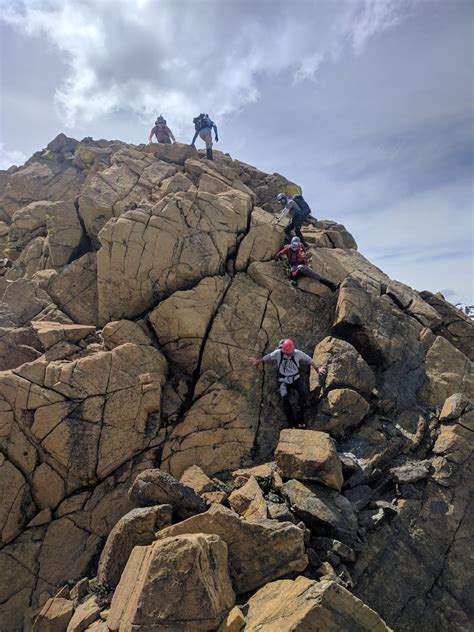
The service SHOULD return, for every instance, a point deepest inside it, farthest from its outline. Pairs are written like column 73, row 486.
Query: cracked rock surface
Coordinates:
column 139, row 281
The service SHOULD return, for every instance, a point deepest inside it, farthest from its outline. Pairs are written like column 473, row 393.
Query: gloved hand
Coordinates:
column 217, row 139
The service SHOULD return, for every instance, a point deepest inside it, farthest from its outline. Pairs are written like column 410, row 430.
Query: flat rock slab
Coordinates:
column 178, row 583
column 259, row 552
column 54, row 616
column 323, row 510
column 304, row 605
column 154, row 487
column 309, row 455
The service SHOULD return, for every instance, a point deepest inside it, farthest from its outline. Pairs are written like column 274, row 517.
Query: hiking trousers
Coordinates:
column 295, row 224
column 206, row 135
column 307, row 271
column 285, row 391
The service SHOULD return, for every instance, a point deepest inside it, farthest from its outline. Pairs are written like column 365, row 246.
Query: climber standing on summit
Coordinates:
column 203, row 127
column 162, row 132
column 289, row 359
column 298, row 259
column 300, row 211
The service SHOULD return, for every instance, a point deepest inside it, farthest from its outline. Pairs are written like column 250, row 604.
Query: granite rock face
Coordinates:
column 135, row 282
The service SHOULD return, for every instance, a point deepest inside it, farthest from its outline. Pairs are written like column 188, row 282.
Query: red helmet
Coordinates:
column 288, row 346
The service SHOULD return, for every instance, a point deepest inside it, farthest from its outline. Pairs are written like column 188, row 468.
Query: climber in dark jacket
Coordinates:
column 289, row 359
column 203, row 127
column 298, row 259
column 298, row 218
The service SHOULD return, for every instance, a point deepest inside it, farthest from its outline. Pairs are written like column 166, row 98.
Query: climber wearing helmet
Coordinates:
column 289, row 359
column 298, row 259
column 204, row 126
column 300, row 211
column 162, row 132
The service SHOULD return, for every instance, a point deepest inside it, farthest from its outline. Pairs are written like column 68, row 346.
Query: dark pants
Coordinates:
column 295, row 224
column 307, row 271
column 285, row 392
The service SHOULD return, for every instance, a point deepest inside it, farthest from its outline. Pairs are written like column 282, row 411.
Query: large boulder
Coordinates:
column 153, row 487
column 303, row 605
column 309, row 455
column 346, row 368
column 341, row 410
column 258, row 551
column 137, row 528
column 179, row 583
column 323, row 510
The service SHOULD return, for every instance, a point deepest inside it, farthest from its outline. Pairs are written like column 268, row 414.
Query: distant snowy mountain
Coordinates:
column 466, row 309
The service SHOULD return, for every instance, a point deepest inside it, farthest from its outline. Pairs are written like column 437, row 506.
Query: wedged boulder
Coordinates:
column 346, row 368
column 261, row 243
column 154, row 487
column 182, row 321
column 448, row 371
column 454, row 407
column 65, row 233
column 119, row 332
column 323, row 510
column 195, row 478
column 50, row 333
column 342, row 409
column 74, row 290
column 248, row 501
column 54, row 616
column 309, row 455
column 136, row 528
column 27, row 223
column 178, row 583
column 304, row 605
column 259, row 552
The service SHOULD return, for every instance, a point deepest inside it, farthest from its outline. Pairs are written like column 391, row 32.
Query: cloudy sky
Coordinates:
column 365, row 103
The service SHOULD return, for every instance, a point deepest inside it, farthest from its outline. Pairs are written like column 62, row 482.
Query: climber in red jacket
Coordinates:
column 162, row 132
column 298, row 259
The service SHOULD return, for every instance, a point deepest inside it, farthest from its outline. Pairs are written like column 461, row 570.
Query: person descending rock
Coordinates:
column 298, row 259
column 204, row 126
column 289, row 359
column 300, row 211
column 162, row 132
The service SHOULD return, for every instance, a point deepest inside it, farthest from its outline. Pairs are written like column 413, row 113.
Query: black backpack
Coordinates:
column 305, row 210
column 201, row 122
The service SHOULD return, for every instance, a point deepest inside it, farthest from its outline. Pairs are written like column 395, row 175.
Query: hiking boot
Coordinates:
column 209, row 153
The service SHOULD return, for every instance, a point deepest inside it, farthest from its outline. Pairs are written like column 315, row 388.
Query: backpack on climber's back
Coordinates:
column 201, row 122
column 304, row 208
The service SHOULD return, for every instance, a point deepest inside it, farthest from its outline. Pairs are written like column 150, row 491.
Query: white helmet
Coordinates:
column 295, row 243
column 281, row 197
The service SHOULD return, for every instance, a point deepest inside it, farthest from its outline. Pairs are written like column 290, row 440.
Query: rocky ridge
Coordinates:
column 136, row 439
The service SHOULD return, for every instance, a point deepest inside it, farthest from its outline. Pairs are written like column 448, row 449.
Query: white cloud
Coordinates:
column 143, row 55
column 10, row 157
